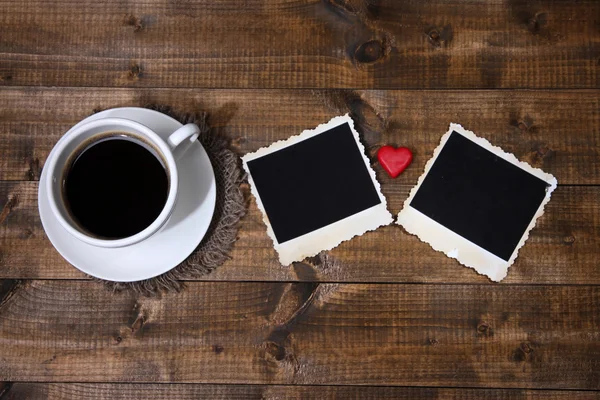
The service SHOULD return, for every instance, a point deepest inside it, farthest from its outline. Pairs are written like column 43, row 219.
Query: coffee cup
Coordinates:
column 72, row 147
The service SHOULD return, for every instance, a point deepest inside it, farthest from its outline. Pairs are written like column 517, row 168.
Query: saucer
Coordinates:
column 166, row 249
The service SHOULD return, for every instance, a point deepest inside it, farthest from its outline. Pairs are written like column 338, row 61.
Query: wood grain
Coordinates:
column 558, row 131
column 380, row 317
column 301, row 44
column 303, row 333
column 562, row 249
column 115, row 391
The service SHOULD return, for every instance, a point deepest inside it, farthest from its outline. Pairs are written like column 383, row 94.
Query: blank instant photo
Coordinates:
column 476, row 203
column 316, row 190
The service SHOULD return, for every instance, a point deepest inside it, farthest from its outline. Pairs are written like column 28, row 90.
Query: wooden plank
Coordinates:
column 116, row 391
column 302, row 43
column 563, row 248
column 303, row 333
column 558, row 131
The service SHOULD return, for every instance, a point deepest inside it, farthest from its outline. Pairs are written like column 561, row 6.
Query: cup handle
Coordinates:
column 189, row 132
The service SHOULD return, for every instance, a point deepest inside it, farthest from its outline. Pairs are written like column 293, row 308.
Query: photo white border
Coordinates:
column 453, row 245
column 330, row 236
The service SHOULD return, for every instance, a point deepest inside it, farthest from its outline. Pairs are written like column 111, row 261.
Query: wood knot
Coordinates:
column 119, row 339
column 8, row 207
column 238, row 142
column 484, row 329
column 369, row 52
column 49, row 360
column 439, row 37
column 218, row 349
column 131, row 20
column 139, row 322
column 434, row 35
column 135, row 71
column 6, row 78
column 27, row 233
column 34, row 171
column 275, row 351
column 536, row 23
column 8, row 288
column 569, row 239
column 524, row 124
column 433, row 342
column 539, row 155
column 543, row 150
column 523, row 353
column 525, row 348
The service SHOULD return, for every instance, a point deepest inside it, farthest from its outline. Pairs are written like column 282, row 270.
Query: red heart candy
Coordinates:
column 394, row 161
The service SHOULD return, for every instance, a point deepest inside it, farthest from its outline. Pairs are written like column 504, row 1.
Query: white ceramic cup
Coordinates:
column 170, row 150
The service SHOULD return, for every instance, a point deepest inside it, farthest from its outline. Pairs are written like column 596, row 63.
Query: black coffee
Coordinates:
column 116, row 186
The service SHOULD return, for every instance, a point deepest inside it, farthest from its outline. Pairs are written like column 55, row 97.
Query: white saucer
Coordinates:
column 166, row 249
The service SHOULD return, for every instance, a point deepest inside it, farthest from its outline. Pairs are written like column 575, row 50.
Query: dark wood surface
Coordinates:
column 563, row 249
column 366, row 44
column 67, row 391
column 307, row 333
column 383, row 315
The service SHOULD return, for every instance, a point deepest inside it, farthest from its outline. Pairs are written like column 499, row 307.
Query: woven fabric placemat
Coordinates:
column 230, row 206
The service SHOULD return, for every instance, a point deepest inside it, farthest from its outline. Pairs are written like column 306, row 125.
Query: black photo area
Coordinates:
column 480, row 196
column 313, row 183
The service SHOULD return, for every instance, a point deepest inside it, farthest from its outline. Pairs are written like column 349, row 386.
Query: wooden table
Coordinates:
column 384, row 316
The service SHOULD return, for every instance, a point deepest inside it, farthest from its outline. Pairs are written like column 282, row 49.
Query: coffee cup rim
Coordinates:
column 145, row 133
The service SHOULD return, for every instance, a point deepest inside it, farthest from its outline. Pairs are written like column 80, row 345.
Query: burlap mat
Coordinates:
column 222, row 232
